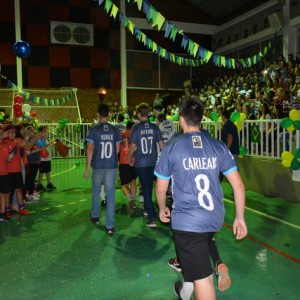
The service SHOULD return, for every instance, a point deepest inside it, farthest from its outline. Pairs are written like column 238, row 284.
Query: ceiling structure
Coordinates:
column 212, row 12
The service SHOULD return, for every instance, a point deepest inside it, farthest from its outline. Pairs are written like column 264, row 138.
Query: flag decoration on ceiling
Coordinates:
column 199, row 54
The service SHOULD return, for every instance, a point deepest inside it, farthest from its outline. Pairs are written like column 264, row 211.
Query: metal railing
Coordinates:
column 271, row 138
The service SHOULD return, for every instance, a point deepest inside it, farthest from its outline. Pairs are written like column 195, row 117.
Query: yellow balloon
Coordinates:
column 242, row 116
column 286, row 155
column 239, row 125
column 291, row 128
column 36, row 121
column 294, row 114
column 169, row 117
column 286, row 163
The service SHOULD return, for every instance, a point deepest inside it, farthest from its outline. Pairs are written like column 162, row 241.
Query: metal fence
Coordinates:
column 271, row 138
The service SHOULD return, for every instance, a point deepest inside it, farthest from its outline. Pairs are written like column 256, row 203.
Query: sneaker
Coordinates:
column 8, row 213
column 94, row 220
column 177, row 287
column 50, row 186
column 151, row 224
column 224, row 281
column 32, row 198
column 103, row 203
column 24, row 211
column 141, row 199
column 174, row 264
column 145, row 214
column 36, row 193
column 3, row 218
column 40, row 188
column 132, row 204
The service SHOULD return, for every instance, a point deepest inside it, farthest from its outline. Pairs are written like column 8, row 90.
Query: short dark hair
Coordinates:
column 42, row 128
column 120, row 117
column 192, row 109
column 103, row 110
column 144, row 109
column 226, row 113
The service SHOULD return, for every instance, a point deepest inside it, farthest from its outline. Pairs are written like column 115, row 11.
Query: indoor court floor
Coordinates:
column 57, row 253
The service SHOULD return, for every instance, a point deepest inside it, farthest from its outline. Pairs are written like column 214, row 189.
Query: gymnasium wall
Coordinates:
column 270, row 178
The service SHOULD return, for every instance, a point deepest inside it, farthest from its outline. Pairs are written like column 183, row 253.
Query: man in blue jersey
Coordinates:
column 143, row 141
column 103, row 142
column 194, row 161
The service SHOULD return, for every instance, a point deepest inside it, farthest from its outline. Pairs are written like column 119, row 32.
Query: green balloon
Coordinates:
column 297, row 125
column 151, row 119
column 214, row 116
column 235, row 116
column 297, row 153
column 175, row 118
column 286, row 122
column 295, row 164
column 243, row 150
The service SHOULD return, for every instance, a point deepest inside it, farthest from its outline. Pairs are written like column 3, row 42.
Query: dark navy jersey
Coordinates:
column 193, row 161
column 230, row 128
column 104, row 136
column 145, row 136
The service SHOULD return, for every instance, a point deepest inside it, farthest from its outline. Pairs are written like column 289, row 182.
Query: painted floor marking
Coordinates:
column 267, row 216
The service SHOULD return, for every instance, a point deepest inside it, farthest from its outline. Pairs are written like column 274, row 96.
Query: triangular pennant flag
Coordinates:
column 114, row 11
column 184, row 42
column 174, row 32
column 108, row 5
column 139, row 4
column 146, row 9
column 160, row 20
column 169, row 27
column 153, row 14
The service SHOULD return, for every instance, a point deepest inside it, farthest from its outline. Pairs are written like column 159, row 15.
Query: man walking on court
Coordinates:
column 143, row 142
column 103, row 144
column 194, row 161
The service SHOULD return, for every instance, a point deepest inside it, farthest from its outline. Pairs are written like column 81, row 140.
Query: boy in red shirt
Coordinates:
column 14, row 168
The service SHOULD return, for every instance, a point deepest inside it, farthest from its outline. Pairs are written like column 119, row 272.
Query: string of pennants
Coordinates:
column 37, row 100
column 200, row 54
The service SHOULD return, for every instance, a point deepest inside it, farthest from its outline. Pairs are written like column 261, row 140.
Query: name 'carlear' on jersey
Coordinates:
column 199, row 163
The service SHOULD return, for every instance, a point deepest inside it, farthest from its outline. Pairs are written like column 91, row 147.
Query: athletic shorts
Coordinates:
column 127, row 174
column 4, row 188
column 15, row 181
column 193, row 254
column 45, row 166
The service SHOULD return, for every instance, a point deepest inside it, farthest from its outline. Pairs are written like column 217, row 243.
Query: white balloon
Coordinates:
column 26, row 108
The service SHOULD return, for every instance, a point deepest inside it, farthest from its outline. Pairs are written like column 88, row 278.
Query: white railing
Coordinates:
column 271, row 144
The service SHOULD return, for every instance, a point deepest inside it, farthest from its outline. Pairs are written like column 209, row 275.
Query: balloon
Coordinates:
column 290, row 128
column 286, row 122
column 297, row 153
column 18, row 114
column 26, row 108
column 36, row 121
column 169, row 117
column 2, row 116
column 18, row 99
column 235, row 116
column 175, row 118
column 33, row 114
column 44, row 153
column 27, row 114
column 243, row 116
column 17, row 107
column 21, row 49
column 294, row 115
column 286, row 163
column 77, row 163
column 239, row 125
column 243, row 150
column 297, row 125
column 151, row 119
column 295, row 164
column 214, row 116
column 286, row 155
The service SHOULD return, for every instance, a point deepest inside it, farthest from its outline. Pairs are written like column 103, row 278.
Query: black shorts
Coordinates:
column 45, row 166
column 193, row 254
column 15, row 181
column 4, row 184
column 127, row 174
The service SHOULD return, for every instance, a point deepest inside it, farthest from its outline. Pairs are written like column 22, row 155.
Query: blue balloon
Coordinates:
column 22, row 49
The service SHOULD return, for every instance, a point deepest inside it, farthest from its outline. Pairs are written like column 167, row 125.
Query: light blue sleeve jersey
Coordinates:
column 193, row 161
column 145, row 136
column 104, row 136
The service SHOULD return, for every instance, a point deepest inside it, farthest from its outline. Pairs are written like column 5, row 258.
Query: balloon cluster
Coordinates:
column 237, row 118
column 23, row 110
column 2, row 115
column 243, row 150
column 61, row 125
column 21, row 49
column 291, row 123
column 291, row 160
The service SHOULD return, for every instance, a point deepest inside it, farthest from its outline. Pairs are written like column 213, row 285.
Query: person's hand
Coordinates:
column 86, row 174
column 164, row 215
column 239, row 229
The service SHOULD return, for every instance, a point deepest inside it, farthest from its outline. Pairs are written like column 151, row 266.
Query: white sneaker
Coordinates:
column 32, row 198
